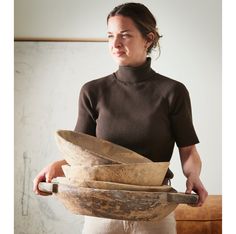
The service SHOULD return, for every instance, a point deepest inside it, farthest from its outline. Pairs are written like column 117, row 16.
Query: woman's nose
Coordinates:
column 116, row 42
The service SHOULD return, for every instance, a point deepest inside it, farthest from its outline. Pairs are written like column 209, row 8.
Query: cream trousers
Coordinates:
column 94, row 225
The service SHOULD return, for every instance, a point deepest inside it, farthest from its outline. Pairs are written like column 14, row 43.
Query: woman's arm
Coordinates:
column 191, row 165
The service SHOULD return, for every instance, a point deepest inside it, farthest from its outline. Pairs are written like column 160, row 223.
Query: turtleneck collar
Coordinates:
column 129, row 74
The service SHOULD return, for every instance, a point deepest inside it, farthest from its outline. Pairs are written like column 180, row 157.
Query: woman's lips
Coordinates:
column 118, row 54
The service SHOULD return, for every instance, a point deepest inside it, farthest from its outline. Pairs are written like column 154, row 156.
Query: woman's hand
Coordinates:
column 47, row 174
column 191, row 165
column 194, row 183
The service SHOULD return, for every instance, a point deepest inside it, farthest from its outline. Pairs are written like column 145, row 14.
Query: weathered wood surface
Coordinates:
column 83, row 149
column 115, row 204
column 111, row 185
column 119, row 186
column 149, row 174
column 182, row 198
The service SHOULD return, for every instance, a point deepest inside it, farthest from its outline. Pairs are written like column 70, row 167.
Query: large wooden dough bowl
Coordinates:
column 82, row 149
column 118, row 204
column 137, row 173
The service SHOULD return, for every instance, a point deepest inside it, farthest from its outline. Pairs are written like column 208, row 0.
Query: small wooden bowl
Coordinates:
column 82, row 149
column 110, row 185
column 119, row 186
column 145, row 174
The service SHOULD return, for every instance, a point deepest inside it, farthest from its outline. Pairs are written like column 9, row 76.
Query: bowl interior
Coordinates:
column 80, row 143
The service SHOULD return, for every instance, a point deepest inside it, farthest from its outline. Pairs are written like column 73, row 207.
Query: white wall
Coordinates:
column 48, row 77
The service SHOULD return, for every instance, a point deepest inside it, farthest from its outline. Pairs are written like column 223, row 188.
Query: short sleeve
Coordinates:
column 86, row 121
column 181, row 117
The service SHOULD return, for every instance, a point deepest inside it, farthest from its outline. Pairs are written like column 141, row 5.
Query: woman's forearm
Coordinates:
column 190, row 160
column 191, row 165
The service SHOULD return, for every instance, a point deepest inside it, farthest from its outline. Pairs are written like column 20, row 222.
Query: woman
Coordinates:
column 139, row 109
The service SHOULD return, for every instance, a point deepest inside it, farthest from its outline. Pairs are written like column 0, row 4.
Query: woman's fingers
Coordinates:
column 189, row 187
column 202, row 195
column 47, row 174
column 39, row 178
column 195, row 184
column 42, row 177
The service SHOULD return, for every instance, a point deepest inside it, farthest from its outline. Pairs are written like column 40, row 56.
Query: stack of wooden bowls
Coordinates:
column 99, row 164
column 106, row 180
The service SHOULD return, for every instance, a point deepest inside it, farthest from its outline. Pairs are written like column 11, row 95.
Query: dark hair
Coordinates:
column 142, row 18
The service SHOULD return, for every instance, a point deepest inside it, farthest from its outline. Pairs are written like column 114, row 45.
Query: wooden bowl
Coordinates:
column 111, row 185
column 145, row 174
column 82, row 149
column 118, row 204
column 115, row 204
column 119, row 186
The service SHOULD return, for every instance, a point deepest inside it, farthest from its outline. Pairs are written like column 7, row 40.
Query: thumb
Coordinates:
column 48, row 178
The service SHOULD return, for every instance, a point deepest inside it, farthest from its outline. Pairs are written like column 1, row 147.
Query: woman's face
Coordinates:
column 126, row 44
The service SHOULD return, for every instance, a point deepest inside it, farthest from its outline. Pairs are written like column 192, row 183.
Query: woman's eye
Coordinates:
column 125, row 35
column 109, row 36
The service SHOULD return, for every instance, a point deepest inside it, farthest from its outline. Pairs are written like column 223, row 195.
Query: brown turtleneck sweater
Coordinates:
column 139, row 109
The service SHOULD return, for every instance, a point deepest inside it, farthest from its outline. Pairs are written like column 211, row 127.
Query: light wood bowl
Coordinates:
column 146, row 174
column 82, row 149
column 110, row 185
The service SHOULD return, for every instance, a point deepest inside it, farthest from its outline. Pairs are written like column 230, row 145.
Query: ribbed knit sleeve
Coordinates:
column 86, row 121
column 181, row 117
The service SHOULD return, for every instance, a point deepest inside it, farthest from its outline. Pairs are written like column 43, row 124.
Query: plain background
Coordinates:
column 48, row 77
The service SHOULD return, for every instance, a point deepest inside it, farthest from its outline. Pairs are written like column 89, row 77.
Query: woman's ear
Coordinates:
column 149, row 40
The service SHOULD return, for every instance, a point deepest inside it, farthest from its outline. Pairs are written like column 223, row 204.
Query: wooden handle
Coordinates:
column 48, row 187
column 182, row 198
column 171, row 197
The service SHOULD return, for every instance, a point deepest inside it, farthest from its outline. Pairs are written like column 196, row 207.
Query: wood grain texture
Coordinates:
column 148, row 174
column 120, row 186
column 82, row 149
column 110, row 185
column 115, row 204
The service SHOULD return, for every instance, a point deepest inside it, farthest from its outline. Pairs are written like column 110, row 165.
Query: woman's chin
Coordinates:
column 121, row 61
